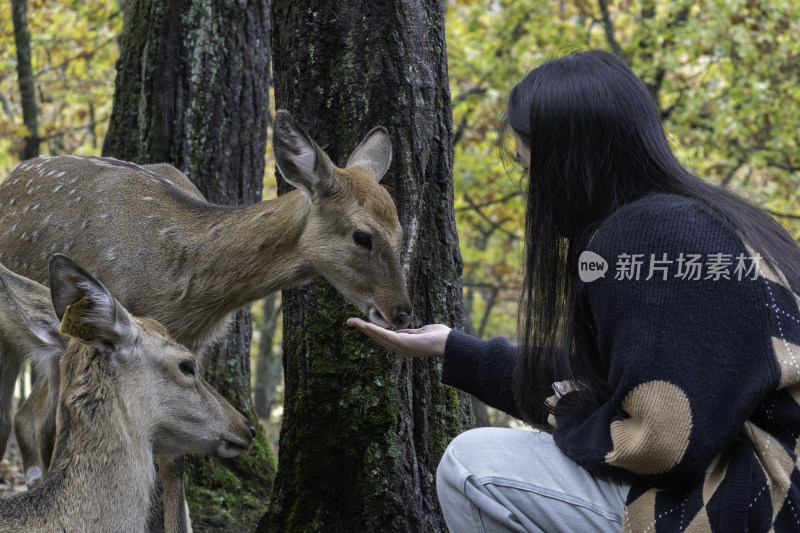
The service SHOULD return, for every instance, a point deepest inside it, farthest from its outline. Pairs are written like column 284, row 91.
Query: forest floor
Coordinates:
column 12, row 479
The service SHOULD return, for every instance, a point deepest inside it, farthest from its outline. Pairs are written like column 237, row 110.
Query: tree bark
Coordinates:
column 192, row 90
column 27, row 88
column 362, row 431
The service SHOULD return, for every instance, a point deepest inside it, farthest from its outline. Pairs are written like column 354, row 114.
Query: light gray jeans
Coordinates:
column 497, row 480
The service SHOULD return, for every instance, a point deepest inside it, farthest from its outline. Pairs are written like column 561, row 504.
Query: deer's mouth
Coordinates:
column 230, row 448
column 378, row 319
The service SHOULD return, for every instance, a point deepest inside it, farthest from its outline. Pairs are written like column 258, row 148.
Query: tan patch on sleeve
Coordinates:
column 699, row 523
column 776, row 463
column 788, row 356
column 656, row 435
column 775, row 275
column 714, row 476
column 641, row 512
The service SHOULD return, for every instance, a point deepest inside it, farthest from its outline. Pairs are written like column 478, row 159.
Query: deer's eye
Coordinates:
column 362, row 239
column 187, row 367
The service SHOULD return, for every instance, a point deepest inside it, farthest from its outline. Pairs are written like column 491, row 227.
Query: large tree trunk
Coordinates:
column 192, row 90
column 27, row 88
column 363, row 431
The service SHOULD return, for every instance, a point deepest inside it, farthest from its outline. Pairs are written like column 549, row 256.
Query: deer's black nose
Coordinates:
column 252, row 429
column 403, row 318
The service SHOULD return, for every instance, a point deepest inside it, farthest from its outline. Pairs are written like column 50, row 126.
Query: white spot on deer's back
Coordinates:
column 113, row 253
column 58, row 187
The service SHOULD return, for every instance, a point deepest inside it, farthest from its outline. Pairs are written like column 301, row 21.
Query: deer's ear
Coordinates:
column 301, row 162
column 86, row 309
column 373, row 153
column 25, row 307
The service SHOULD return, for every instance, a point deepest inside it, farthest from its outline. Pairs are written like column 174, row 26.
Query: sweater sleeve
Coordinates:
column 481, row 368
column 689, row 359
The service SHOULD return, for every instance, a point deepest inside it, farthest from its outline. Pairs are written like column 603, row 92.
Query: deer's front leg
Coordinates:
column 9, row 369
column 176, row 510
column 25, row 430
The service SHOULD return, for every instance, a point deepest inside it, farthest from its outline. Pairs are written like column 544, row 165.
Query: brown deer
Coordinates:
column 127, row 391
column 165, row 252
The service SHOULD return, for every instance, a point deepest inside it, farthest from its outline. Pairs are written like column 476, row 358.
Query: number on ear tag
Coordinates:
column 72, row 324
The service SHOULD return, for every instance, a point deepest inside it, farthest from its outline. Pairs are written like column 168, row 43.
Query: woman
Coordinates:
column 669, row 384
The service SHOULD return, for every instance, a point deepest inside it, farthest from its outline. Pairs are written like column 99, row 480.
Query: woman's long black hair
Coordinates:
column 596, row 144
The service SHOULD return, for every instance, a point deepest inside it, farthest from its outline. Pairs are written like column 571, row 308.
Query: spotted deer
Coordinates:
column 127, row 391
column 165, row 252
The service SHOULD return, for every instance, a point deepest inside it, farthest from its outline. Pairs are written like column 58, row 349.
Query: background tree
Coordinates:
column 73, row 46
column 362, row 431
column 269, row 360
column 22, row 38
column 192, row 90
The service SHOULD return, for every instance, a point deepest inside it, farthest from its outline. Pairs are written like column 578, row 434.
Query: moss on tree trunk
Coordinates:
column 363, row 431
column 192, row 90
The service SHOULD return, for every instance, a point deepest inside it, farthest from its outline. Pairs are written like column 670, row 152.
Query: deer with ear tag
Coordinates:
column 127, row 391
column 165, row 252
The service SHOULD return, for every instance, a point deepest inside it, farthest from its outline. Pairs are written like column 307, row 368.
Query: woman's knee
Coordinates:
column 467, row 454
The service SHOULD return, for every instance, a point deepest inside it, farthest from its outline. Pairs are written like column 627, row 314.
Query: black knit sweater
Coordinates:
column 704, row 362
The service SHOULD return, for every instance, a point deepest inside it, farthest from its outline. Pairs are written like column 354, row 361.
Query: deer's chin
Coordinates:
column 227, row 449
column 376, row 318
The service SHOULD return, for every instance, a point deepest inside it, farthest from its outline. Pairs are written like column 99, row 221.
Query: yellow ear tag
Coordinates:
column 72, row 324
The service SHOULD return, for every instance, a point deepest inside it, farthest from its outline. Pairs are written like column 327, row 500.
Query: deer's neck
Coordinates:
column 231, row 257
column 244, row 254
column 102, row 474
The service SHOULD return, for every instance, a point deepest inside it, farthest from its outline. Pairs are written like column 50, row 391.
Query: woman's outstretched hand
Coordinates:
column 427, row 341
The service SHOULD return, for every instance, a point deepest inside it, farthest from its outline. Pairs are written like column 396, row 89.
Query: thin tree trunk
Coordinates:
column 27, row 88
column 269, row 364
column 192, row 90
column 479, row 410
column 363, row 431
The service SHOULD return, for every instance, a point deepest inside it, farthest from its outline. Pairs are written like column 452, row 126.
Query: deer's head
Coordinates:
column 352, row 237
column 134, row 358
